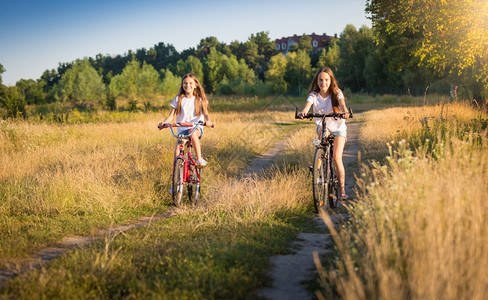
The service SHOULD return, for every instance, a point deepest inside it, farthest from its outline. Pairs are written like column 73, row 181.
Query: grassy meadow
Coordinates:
column 61, row 180
column 96, row 170
column 419, row 229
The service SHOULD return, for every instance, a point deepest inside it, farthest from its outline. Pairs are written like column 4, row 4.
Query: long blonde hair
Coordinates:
column 199, row 93
column 333, row 87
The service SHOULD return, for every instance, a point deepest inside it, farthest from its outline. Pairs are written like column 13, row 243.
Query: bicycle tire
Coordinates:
column 319, row 183
column 334, row 189
column 178, row 182
column 196, row 186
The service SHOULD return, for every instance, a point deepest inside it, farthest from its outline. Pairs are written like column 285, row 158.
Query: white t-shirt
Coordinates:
column 187, row 113
column 324, row 106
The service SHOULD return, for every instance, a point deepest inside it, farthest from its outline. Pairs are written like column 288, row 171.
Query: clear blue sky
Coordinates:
column 37, row 35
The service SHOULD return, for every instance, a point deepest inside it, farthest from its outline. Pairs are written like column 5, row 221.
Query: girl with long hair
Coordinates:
column 326, row 97
column 190, row 106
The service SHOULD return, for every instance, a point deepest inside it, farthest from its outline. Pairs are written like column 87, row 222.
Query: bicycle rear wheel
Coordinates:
column 194, row 185
column 319, row 180
column 178, row 182
column 197, row 176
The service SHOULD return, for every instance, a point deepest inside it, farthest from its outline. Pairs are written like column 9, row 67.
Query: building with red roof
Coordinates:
column 319, row 42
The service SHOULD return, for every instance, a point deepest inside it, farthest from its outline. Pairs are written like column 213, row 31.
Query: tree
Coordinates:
column 266, row 49
column 2, row 70
column 275, row 75
column 237, row 77
column 136, row 82
column 209, row 43
column 251, row 55
column 170, row 83
column 32, row 90
column 13, row 101
column 147, row 82
column 450, row 40
column 266, row 46
column 354, row 47
column 191, row 65
column 81, row 84
column 212, row 66
column 330, row 56
column 298, row 71
column 305, row 43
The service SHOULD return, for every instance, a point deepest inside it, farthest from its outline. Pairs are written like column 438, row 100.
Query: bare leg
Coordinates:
column 178, row 148
column 339, row 143
column 196, row 144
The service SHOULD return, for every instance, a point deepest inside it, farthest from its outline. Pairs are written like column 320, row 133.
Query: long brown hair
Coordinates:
column 199, row 93
column 333, row 87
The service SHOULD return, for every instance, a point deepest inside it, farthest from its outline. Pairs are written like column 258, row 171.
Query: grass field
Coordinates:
column 61, row 179
column 420, row 227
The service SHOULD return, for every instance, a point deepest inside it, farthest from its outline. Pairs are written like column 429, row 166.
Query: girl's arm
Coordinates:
column 305, row 109
column 170, row 116
column 207, row 120
column 342, row 104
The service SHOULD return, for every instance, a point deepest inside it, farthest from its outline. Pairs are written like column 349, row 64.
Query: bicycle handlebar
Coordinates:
column 332, row 115
column 182, row 124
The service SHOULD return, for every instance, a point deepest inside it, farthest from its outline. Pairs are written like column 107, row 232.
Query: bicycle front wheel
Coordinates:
column 178, row 182
column 319, row 180
column 334, row 189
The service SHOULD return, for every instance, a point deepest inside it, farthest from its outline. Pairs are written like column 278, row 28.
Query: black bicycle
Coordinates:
column 325, row 182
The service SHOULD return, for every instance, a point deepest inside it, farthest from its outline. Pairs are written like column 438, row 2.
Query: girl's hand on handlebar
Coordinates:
column 163, row 125
column 209, row 124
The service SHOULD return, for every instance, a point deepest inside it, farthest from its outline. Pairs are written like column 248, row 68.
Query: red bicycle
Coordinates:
column 185, row 170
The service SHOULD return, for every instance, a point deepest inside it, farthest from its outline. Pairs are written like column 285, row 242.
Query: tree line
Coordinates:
column 405, row 48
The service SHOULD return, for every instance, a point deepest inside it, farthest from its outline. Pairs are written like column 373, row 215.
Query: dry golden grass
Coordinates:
column 58, row 180
column 420, row 228
column 386, row 125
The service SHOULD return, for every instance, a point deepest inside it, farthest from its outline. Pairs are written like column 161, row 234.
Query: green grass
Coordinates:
column 73, row 179
column 419, row 227
column 182, row 257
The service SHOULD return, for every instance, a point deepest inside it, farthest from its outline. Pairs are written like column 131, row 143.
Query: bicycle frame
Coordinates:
column 325, row 182
column 185, row 170
column 185, row 139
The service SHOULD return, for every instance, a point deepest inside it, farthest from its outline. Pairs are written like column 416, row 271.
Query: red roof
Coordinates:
column 318, row 41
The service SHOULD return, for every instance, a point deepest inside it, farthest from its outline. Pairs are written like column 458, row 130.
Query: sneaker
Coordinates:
column 170, row 190
column 344, row 197
column 201, row 163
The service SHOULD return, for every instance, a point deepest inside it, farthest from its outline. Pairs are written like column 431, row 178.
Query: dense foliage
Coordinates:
column 406, row 51
column 449, row 41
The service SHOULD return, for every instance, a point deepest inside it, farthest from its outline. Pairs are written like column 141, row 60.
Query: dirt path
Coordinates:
column 289, row 272
column 46, row 255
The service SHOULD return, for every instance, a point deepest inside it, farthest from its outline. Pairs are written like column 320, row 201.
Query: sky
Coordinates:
column 36, row 36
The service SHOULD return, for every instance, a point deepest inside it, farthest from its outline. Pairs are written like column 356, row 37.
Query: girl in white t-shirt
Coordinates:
column 190, row 105
column 326, row 97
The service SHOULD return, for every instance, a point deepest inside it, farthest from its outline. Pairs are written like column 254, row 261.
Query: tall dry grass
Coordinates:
column 420, row 227
column 390, row 124
column 233, row 199
column 58, row 180
column 217, row 250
